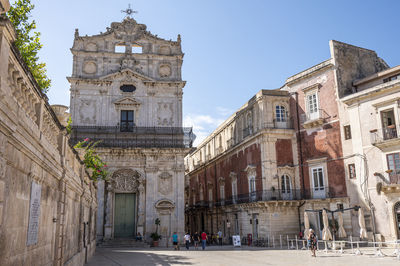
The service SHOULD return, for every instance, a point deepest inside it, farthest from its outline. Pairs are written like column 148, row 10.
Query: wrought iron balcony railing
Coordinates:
column 271, row 195
column 135, row 137
column 395, row 178
column 383, row 134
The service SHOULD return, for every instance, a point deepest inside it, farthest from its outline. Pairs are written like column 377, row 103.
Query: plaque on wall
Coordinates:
column 34, row 214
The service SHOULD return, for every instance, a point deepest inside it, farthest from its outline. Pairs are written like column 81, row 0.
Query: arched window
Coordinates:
column 280, row 112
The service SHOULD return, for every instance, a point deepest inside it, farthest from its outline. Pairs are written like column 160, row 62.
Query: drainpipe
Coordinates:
column 298, row 212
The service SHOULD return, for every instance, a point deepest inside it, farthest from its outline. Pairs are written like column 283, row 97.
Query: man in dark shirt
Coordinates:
column 196, row 239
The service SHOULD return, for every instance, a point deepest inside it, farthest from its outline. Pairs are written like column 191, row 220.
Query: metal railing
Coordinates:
column 272, row 195
column 319, row 114
column 386, row 133
column 135, row 137
column 395, row 178
column 287, row 123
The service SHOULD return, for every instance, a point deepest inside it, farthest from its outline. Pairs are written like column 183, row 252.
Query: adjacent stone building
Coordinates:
column 372, row 147
column 126, row 91
column 252, row 177
column 47, row 201
column 243, row 179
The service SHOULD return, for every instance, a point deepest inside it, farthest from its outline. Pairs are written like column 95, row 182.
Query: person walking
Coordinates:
column 204, row 238
column 220, row 237
column 175, row 241
column 196, row 239
column 187, row 240
column 312, row 242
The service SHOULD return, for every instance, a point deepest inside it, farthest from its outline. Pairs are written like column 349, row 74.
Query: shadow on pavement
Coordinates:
column 122, row 257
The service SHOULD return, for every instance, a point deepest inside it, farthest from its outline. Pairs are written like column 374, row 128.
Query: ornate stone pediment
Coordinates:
column 127, row 29
column 125, row 180
column 126, row 102
column 251, row 170
column 165, row 183
column 165, row 204
column 126, row 74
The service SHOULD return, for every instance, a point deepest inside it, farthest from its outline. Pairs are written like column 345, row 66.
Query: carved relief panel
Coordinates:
column 89, row 67
column 164, row 114
column 125, row 180
column 165, row 71
column 165, row 183
column 87, row 111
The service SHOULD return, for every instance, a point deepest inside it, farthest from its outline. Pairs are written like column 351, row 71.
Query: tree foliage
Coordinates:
column 28, row 41
column 91, row 160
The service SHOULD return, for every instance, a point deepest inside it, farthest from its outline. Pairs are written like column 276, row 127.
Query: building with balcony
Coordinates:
column 245, row 177
column 126, row 92
column 371, row 127
column 288, row 150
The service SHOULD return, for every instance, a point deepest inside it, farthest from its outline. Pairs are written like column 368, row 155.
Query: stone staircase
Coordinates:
column 122, row 243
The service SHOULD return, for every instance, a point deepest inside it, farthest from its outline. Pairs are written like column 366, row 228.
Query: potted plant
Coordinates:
column 155, row 236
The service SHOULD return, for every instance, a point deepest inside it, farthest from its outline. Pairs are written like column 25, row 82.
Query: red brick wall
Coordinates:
column 325, row 142
column 233, row 162
column 284, row 154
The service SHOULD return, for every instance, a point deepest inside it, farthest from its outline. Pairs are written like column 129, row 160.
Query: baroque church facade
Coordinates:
column 126, row 92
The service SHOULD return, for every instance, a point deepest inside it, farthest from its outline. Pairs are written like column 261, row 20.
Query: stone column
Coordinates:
column 108, row 232
column 100, row 209
column 141, row 206
column 268, row 158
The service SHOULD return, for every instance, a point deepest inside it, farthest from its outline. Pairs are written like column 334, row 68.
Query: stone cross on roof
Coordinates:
column 129, row 11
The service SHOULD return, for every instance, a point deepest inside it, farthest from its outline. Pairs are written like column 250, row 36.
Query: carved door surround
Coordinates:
column 127, row 181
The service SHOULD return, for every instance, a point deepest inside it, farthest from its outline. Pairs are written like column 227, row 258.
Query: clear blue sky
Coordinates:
column 232, row 48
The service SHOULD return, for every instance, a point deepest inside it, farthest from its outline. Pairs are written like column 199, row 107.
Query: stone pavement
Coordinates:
column 228, row 255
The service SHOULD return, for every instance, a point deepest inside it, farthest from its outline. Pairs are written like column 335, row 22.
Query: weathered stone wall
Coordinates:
column 353, row 63
column 99, row 71
column 34, row 152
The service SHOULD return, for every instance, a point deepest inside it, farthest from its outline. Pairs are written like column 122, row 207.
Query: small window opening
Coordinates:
column 120, row 48
column 136, row 49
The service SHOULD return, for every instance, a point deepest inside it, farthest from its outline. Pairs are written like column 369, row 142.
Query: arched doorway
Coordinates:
column 397, row 217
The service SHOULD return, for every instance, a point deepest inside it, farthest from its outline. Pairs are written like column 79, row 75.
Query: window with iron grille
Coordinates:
column 352, row 171
column 347, row 132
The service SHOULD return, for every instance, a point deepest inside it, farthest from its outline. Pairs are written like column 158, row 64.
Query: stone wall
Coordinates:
column 353, row 63
column 47, row 202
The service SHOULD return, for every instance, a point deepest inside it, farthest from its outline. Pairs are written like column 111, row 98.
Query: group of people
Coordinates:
column 196, row 238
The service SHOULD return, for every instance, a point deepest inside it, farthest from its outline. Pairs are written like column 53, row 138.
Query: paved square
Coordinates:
column 231, row 256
